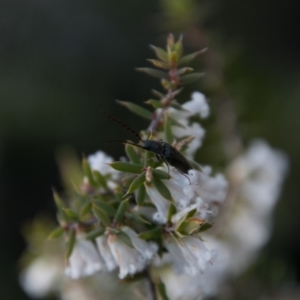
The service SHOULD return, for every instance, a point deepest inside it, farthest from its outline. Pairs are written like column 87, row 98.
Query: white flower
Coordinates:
column 131, row 260
column 189, row 254
column 84, row 260
column 105, row 253
column 197, row 105
column 41, row 277
column 100, row 161
column 206, row 191
column 162, row 205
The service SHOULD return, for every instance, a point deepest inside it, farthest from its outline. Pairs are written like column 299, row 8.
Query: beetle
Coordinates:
column 169, row 154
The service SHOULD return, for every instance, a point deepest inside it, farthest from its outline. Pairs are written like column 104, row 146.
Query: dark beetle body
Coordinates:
column 163, row 150
column 169, row 154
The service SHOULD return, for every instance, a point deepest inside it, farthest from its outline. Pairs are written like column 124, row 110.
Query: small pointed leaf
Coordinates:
column 132, row 155
column 160, row 53
column 159, row 64
column 124, row 238
column 107, row 208
column 88, row 172
column 140, row 195
column 100, row 179
column 206, row 226
column 188, row 58
column 158, row 94
column 126, row 167
column 184, row 71
column 95, row 233
column 160, row 174
column 168, row 130
column 142, row 112
column 151, row 234
column 162, row 189
column 172, row 211
column 154, row 103
column 121, row 211
column 101, row 215
column 70, row 213
column 160, row 287
column 56, row 233
column 153, row 72
column 136, row 183
column 189, row 78
column 86, row 209
column 70, row 244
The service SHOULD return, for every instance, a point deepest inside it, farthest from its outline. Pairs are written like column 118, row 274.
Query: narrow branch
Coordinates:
column 150, row 286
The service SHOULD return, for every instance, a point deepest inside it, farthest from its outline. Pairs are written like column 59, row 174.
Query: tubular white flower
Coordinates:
column 131, row 260
column 105, row 253
column 162, row 205
column 84, row 260
column 204, row 190
column 189, row 255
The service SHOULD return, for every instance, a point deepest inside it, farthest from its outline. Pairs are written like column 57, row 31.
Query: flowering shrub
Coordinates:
column 154, row 216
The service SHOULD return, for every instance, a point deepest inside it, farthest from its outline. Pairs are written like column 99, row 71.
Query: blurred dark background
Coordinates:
column 62, row 61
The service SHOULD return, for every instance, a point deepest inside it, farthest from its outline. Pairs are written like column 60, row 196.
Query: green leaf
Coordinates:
column 70, row 213
column 137, row 109
column 154, row 103
column 160, row 286
column 178, row 46
column 153, row 72
column 160, row 174
column 172, row 211
column 189, row 227
column 168, row 130
column 158, row 94
column 206, row 226
column 88, row 172
column 188, row 58
column 124, row 238
column 62, row 216
column 132, row 155
column 56, row 233
column 93, row 234
column 176, row 123
column 191, row 213
column 160, row 53
column 189, row 78
column 138, row 218
column 140, row 195
column 85, row 209
column 101, row 215
column 152, row 234
column 159, row 64
column 121, row 211
column 162, row 189
column 107, row 208
column 136, row 183
column 100, row 179
column 127, row 167
column 184, row 71
column 70, row 244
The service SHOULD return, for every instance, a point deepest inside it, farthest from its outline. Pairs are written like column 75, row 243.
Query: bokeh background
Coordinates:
column 62, row 61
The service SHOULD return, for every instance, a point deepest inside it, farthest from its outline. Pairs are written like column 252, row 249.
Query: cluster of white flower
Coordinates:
column 256, row 178
column 199, row 266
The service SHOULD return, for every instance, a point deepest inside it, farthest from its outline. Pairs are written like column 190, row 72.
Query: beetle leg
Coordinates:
column 184, row 175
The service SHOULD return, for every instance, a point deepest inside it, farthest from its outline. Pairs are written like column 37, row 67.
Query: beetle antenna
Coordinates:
column 125, row 142
column 122, row 124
